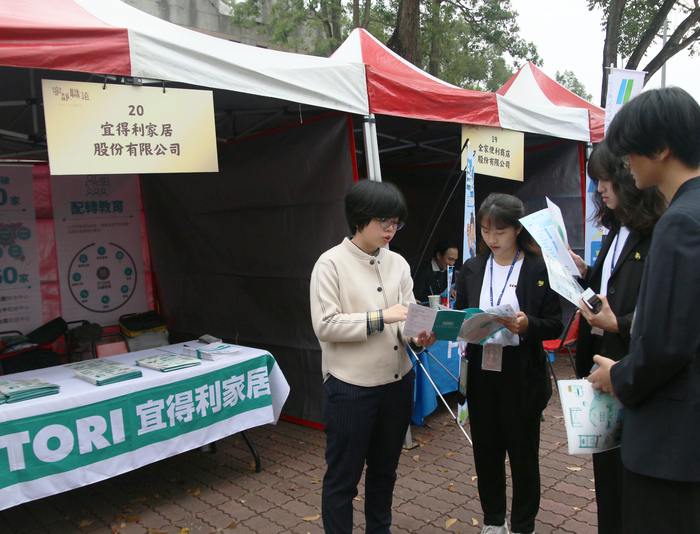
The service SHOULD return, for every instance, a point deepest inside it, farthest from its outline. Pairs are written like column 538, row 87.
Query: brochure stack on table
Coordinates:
column 103, row 371
column 168, row 362
column 213, row 351
column 19, row 390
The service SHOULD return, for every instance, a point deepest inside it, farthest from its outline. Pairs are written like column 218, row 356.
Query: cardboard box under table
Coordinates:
column 89, row 433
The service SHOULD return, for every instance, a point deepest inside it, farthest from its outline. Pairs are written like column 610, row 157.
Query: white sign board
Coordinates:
column 93, row 128
column 497, row 151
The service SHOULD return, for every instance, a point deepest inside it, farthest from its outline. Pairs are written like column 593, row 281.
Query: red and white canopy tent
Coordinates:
column 398, row 88
column 113, row 38
column 107, row 38
column 556, row 130
column 207, row 232
column 531, row 86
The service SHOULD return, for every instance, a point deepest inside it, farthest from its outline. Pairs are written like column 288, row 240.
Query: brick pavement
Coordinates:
column 210, row 493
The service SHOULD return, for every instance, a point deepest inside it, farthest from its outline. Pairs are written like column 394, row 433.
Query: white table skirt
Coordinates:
column 89, row 433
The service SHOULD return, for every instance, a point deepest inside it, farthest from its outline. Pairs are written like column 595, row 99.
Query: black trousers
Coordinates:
column 608, row 470
column 363, row 425
column 498, row 427
column 657, row 506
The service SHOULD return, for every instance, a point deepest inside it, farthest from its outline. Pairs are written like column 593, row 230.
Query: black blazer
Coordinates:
column 659, row 380
column 623, row 289
column 526, row 367
column 428, row 282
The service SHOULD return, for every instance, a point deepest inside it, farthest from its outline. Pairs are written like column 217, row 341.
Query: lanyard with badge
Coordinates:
column 596, row 331
column 492, row 357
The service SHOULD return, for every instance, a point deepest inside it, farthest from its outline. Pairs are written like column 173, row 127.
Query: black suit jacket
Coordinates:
column 428, row 282
column 623, row 289
column 525, row 365
column 659, row 380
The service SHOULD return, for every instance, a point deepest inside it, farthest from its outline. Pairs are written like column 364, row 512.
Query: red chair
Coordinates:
column 555, row 346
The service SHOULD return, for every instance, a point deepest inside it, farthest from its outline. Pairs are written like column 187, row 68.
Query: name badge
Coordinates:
column 492, row 357
column 597, row 331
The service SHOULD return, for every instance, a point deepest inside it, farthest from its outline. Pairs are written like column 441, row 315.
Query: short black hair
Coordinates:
column 442, row 247
column 367, row 199
column 637, row 209
column 655, row 120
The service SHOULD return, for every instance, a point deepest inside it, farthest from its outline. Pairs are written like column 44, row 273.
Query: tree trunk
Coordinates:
column 434, row 53
column 650, row 34
column 368, row 12
column 612, row 39
column 336, row 13
column 675, row 43
column 404, row 40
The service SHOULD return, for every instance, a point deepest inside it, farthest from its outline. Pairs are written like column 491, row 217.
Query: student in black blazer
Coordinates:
column 630, row 214
column 509, row 387
column 656, row 134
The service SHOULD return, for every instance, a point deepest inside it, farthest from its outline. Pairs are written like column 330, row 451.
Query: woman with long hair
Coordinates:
column 630, row 215
column 508, row 382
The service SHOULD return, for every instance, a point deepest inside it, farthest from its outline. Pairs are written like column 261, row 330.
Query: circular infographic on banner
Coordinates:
column 102, row 277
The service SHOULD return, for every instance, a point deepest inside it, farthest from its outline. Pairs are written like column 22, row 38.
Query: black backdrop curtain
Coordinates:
column 233, row 251
column 552, row 168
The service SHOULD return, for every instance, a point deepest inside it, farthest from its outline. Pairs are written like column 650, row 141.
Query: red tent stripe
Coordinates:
column 61, row 36
column 397, row 88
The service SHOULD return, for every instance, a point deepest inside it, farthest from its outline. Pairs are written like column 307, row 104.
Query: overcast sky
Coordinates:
column 569, row 37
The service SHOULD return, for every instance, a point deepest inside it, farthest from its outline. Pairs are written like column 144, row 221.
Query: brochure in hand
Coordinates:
column 479, row 325
column 472, row 325
column 168, row 362
column 103, row 371
column 19, row 390
column 212, row 351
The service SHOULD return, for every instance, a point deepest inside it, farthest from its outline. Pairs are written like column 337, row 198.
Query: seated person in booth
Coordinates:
column 431, row 277
column 360, row 291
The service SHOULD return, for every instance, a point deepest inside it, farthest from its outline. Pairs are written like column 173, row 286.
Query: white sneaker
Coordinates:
column 493, row 529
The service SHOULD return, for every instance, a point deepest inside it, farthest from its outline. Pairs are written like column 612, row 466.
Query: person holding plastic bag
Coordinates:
column 630, row 214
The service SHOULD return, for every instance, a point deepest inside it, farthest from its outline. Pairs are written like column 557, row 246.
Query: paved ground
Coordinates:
column 202, row 493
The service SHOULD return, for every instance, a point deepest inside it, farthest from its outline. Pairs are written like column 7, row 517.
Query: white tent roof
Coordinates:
column 110, row 37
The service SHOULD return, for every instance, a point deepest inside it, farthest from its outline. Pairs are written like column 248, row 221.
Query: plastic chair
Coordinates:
column 555, row 346
column 109, row 345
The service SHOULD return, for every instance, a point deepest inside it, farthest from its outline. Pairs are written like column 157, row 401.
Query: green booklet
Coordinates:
column 168, row 362
column 103, row 371
column 471, row 325
column 19, row 390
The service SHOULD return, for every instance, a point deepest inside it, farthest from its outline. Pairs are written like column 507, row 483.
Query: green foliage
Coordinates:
column 295, row 25
column 637, row 17
column 569, row 80
column 470, row 50
column 464, row 42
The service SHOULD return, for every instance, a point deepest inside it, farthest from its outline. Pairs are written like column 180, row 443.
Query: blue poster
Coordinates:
column 469, row 212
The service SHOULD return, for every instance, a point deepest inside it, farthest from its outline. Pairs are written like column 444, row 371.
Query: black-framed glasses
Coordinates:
column 625, row 160
column 386, row 223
